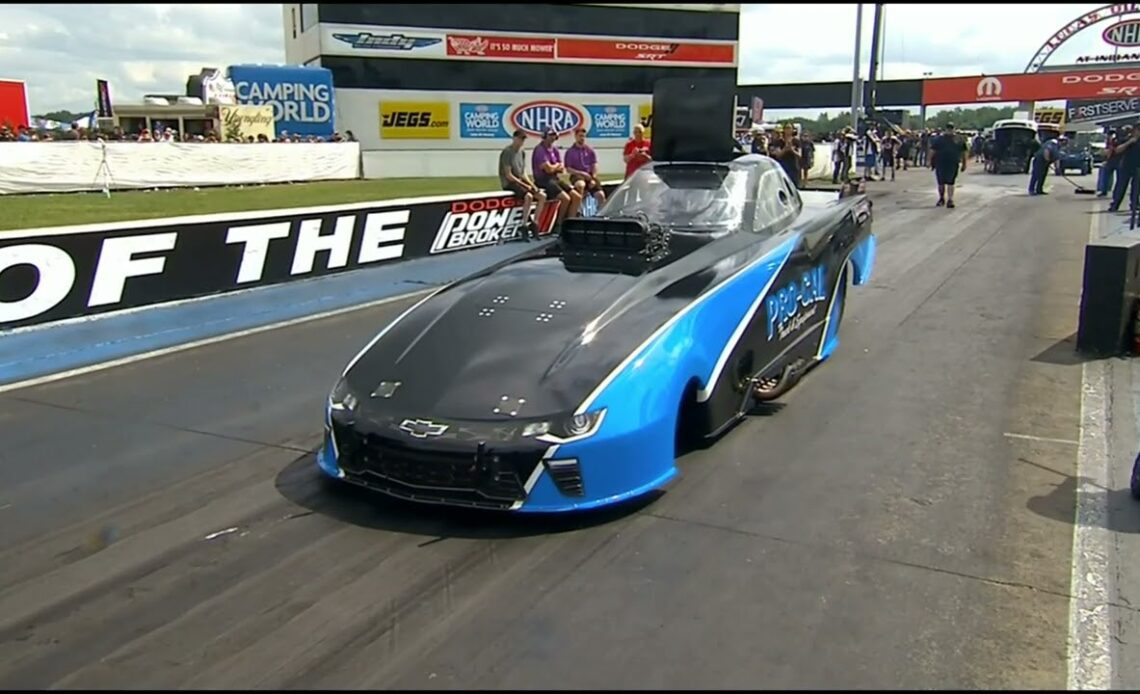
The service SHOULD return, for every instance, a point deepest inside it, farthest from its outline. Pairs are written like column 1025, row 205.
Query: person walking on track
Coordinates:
column 948, row 153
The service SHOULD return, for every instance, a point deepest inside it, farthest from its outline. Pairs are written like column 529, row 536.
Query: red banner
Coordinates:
column 1097, row 83
column 476, row 46
column 13, row 104
column 647, row 50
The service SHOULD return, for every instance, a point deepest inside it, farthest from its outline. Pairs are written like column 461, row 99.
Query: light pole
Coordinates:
column 856, row 87
column 882, row 40
column 876, row 50
column 922, row 107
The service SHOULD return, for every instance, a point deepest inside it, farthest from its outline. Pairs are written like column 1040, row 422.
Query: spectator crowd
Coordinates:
column 875, row 155
column 77, row 133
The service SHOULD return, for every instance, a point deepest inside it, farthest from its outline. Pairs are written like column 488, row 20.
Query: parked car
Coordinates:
column 1099, row 152
column 1079, row 159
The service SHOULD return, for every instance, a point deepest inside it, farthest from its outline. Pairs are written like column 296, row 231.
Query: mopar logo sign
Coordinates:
column 795, row 303
column 609, row 121
column 386, row 42
column 302, row 97
column 483, row 120
column 1125, row 34
column 536, row 116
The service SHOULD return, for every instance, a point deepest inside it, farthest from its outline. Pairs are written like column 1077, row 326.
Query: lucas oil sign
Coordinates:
column 301, row 97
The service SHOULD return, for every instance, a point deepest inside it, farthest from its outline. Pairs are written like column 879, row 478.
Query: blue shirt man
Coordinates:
column 1049, row 152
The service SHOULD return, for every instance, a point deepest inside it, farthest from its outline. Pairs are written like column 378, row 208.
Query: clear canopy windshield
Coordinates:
column 679, row 195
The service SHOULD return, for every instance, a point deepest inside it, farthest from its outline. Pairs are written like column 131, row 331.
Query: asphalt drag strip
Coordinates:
column 902, row 519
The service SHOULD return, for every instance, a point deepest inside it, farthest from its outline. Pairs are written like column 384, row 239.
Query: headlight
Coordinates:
column 568, row 427
column 341, row 398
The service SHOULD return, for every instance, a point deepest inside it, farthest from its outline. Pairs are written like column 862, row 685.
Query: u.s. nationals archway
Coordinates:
column 1079, row 24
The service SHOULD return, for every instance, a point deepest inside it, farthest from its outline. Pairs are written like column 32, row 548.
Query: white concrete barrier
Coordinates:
column 66, row 167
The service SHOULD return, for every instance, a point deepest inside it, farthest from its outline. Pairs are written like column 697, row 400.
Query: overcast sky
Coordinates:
column 60, row 50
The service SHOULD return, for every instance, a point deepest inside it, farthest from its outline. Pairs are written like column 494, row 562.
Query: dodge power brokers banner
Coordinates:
column 52, row 274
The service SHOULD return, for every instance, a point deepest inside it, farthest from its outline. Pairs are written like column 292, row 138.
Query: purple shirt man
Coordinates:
column 546, row 152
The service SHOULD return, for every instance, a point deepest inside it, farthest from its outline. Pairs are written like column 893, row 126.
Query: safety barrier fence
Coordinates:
column 74, row 167
column 71, row 167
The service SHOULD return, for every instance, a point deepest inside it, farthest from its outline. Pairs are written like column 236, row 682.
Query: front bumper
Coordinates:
column 535, row 476
column 446, row 472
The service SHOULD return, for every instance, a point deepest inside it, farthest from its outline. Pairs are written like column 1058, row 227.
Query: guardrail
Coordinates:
column 70, row 167
column 57, row 273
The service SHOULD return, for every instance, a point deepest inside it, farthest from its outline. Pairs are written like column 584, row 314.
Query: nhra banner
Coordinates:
column 52, row 274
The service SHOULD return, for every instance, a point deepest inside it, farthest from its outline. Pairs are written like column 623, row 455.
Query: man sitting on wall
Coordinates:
column 582, row 163
column 548, row 170
column 513, row 177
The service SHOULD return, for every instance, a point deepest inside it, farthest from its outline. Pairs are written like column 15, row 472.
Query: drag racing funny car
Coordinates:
column 566, row 377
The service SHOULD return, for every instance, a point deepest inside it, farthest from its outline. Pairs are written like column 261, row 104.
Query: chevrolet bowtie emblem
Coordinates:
column 422, row 428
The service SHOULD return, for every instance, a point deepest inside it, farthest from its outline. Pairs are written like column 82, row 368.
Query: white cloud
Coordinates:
column 948, row 40
column 60, row 50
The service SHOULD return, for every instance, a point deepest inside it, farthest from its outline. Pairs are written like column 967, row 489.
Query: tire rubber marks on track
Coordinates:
column 1090, row 635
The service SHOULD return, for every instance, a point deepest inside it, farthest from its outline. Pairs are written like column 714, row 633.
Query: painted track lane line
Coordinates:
column 1090, row 636
column 40, row 380
column 1041, row 439
column 1090, row 640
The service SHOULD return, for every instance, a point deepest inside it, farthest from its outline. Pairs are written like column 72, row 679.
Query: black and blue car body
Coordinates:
column 567, row 377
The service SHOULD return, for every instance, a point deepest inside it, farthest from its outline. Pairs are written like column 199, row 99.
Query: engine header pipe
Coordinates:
column 856, row 86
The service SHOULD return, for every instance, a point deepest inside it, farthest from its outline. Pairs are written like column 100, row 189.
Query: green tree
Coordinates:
column 62, row 116
column 964, row 118
column 970, row 118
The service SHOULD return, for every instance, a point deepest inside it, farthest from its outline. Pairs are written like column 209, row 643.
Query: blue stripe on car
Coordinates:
column 633, row 451
column 862, row 264
column 863, row 258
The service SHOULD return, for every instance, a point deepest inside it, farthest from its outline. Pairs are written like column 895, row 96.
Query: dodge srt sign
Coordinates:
column 1094, row 83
